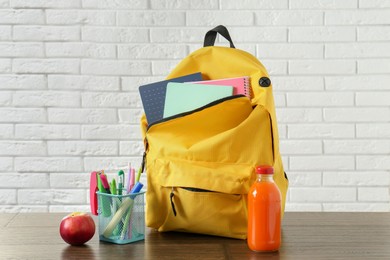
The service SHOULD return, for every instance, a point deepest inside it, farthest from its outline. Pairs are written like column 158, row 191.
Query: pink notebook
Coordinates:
column 241, row 85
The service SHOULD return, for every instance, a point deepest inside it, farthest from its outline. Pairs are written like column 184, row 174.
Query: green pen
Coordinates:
column 100, row 184
column 138, row 175
column 121, row 176
column 116, row 204
column 113, row 187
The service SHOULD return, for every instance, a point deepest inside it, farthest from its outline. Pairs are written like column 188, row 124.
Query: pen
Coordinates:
column 113, row 187
column 99, row 182
column 127, row 227
column 105, row 202
column 120, row 182
column 128, row 178
column 137, row 187
column 105, row 184
column 139, row 174
column 132, row 179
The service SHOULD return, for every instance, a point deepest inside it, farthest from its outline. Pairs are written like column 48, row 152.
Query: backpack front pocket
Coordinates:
column 199, row 197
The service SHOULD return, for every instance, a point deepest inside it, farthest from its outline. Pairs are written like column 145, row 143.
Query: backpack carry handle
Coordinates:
column 209, row 38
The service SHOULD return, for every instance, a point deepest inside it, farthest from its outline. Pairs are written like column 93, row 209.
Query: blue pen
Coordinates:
column 127, row 225
column 137, row 188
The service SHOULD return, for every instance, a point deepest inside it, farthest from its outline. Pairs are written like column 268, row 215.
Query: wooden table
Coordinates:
column 305, row 236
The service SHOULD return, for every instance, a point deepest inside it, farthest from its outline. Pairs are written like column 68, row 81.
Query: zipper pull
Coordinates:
column 146, row 143
column 143, row 162
column 172, row 204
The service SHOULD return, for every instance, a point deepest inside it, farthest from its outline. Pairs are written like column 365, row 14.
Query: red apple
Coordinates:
column 77, row 228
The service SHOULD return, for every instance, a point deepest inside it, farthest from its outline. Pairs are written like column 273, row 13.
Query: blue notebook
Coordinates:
column 184, row 97
column 153, row 96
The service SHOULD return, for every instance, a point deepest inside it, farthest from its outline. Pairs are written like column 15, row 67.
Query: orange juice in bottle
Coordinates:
column 264, row 212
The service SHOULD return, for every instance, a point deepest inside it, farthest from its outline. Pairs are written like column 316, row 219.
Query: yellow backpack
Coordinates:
column 201, row 164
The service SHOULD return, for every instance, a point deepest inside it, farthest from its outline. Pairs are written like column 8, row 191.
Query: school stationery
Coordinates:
column 183, row 97
column 137, row 187
column 93, row 188
column 241, row 84
column 132, row 179
column 105, row 203
column 153, row 96
column 120, row 181
column 105, row 184
column 127, row 221
column 140, row 170
column 122, row 210
column 128, row 178
column 99, row 182
column 113, row 187
column 127, row 228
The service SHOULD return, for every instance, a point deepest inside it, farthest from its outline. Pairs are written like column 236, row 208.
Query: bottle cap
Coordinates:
column 264, row 169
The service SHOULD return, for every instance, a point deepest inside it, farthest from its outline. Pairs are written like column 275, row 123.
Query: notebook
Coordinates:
column 153, row 96
column 183, row 97
column 241, row 84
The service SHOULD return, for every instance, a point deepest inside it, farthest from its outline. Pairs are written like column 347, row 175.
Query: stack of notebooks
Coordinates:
column 178, row 95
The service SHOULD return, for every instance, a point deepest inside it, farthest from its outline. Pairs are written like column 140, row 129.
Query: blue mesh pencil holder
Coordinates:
column 121, row 217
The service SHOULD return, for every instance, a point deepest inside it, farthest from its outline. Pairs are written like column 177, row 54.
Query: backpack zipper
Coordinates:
column 216, row 102
column 143, row 163
column 172, row 203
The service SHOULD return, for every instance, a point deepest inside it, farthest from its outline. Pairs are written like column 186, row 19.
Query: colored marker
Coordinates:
column 121, row 175
column 105, row 184
column 113, row 187
column 128, row 178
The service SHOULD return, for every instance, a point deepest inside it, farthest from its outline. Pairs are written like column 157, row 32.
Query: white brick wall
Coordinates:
column 69, row 103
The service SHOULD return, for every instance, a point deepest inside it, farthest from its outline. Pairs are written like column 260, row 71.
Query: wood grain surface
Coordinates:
column 304, row 236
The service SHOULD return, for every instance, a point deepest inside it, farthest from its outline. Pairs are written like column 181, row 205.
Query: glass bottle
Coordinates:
column 264, row 212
